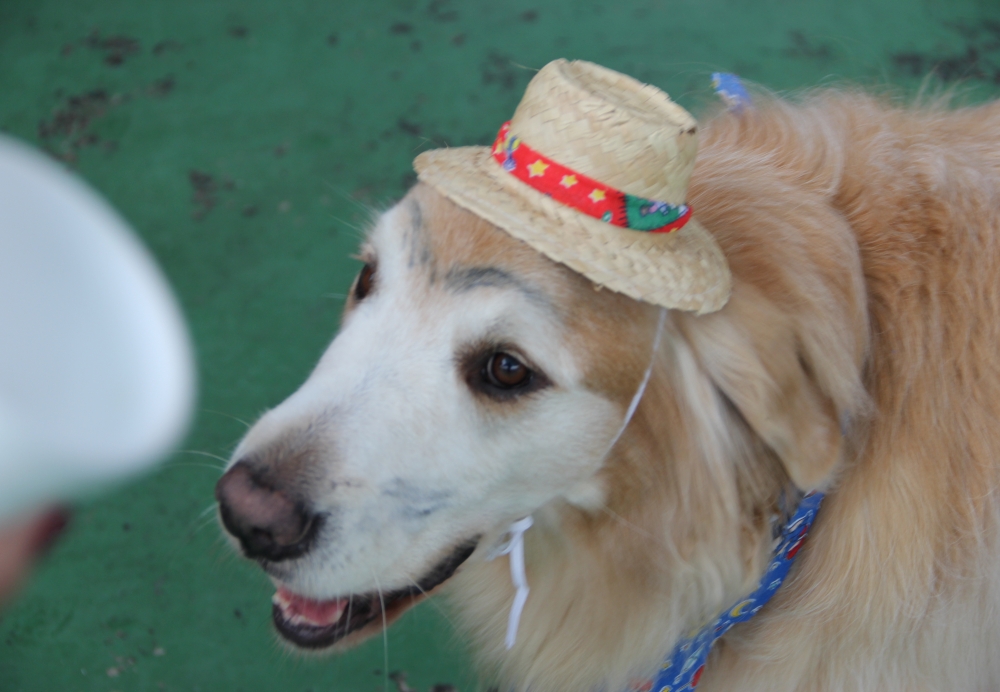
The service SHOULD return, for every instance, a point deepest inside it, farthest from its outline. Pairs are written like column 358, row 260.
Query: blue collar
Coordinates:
column 682, row 669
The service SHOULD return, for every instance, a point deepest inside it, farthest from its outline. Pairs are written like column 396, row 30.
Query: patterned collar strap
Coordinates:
column 682, row 669
column 582, row 193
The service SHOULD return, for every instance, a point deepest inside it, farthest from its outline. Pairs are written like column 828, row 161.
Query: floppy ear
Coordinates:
column 752, row 353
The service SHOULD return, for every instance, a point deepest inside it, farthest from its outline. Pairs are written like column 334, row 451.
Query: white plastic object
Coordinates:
column 96, row 370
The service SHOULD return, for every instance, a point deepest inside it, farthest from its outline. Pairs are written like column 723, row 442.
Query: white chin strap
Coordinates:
column 514, row 546
column 642, row 385
column 512, row 542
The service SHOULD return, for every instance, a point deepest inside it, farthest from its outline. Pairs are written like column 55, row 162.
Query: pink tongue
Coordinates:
column 298, row 608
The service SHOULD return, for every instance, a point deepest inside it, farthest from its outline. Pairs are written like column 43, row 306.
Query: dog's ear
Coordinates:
column 753, row 354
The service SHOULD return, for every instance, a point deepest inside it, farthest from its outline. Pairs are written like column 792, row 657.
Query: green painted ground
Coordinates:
column 246, row 142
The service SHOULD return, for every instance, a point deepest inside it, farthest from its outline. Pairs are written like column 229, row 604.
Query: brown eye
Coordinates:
column 491, row 370
column 365, row 281
column 506, row 372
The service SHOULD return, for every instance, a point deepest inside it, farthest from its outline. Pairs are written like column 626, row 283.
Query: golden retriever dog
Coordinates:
column 475, row 382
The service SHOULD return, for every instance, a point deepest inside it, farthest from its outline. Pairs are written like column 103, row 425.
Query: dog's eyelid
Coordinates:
column 482, row 350
column 515, row 352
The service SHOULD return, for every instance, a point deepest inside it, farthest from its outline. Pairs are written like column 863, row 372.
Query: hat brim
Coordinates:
column 683, row 270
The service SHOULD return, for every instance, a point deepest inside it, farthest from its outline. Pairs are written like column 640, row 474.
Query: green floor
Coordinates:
column 247, row 142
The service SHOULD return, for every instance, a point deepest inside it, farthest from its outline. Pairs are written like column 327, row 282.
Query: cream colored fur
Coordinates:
column 858, row 354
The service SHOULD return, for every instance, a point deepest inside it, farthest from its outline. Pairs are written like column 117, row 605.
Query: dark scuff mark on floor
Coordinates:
column 967, row 65
column 67, row 131
column 204, row 197
column 802, row 47
column 166, row 45
column 206, row 190
column 979, row 58
column 409, row 127
column 161, row 87
column 116, row 48
column 69, row 128
column 442, row 11
column 499, row 69
column 76, row 115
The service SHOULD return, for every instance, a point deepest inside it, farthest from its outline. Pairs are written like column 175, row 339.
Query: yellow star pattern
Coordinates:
column 568, row 181
column 596, row 196
column 537, row 168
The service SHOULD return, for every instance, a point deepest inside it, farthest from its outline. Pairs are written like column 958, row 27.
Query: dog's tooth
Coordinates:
column 297, row 619
column 299, row 610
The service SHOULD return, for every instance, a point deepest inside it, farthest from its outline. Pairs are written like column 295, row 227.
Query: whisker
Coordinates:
column 208, row 521
column 385, row 637
column 357, row 231
column 227, row 415
column 204, row 454
column 350, row 604
column 178, row 464
column 205, row 517
column 436, row 145
column 182, row 541
column 372, row 211
column 210, row 508
column 433, row 602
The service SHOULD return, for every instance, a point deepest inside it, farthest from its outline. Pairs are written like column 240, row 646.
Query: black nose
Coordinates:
column 267, row 522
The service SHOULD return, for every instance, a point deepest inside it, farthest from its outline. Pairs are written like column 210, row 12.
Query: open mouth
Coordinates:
column 315, row 624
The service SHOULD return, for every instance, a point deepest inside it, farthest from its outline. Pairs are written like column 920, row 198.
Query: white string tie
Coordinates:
column 642, row 385
column 514, row 546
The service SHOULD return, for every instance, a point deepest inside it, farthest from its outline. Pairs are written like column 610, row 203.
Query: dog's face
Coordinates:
column 473, row 381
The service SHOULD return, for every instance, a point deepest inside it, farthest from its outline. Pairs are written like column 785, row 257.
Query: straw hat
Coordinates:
column 590, row 128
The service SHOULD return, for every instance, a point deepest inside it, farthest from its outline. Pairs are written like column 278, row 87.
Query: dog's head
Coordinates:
column 472, row 382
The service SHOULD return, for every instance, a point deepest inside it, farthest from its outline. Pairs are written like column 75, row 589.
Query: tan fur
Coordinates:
column 859, row 354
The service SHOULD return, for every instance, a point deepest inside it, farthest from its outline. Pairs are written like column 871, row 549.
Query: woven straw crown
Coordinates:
column 618, row 131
